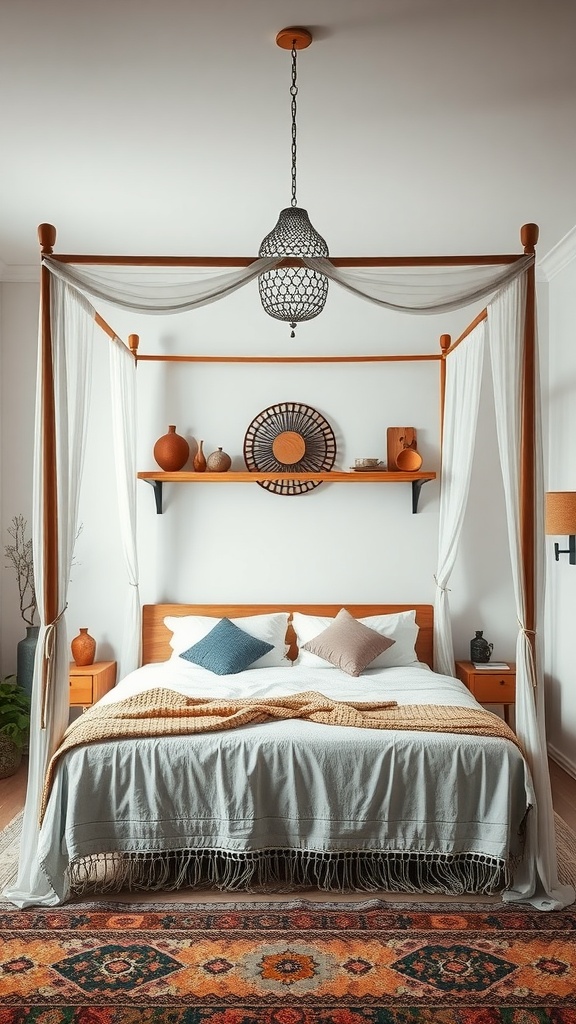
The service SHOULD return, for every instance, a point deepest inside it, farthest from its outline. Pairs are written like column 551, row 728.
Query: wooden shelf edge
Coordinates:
column 157, row 478
column 244, row 476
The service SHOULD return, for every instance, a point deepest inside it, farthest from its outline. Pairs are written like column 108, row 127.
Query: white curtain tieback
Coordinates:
column 532, row 666
column 48, row 663
column 443, row 589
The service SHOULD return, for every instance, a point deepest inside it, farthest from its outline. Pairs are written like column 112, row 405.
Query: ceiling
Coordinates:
column 424, row 126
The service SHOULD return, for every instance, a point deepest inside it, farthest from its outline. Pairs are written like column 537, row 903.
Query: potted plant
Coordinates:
column 19, row 555
column 14, row 724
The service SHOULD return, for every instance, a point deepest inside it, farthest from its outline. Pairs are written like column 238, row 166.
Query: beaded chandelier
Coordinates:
column 292, row 293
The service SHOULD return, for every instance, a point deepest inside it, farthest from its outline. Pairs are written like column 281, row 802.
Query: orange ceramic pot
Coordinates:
column 408, row 460
column 83, row 648
column 171, row 451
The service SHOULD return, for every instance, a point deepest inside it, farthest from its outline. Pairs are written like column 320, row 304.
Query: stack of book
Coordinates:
column 498, row 665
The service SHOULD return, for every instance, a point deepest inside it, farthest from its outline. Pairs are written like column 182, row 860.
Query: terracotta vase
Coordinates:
column 199, row 461
column 171, row 451
column 218, row 462
column 83, row 647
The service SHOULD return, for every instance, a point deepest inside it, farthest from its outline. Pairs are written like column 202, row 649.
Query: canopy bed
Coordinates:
column 426, row 284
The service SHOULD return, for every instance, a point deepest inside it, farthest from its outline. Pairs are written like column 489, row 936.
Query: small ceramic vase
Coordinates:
column 199, row 461
column 171, row 451
column 218, row 462
column 83, row 648
column 480, row 649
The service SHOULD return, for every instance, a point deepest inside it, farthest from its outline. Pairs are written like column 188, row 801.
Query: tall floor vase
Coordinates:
column 25, row 655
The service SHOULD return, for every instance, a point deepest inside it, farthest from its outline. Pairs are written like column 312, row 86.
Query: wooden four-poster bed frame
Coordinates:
column 529, row 237
column 189, row 833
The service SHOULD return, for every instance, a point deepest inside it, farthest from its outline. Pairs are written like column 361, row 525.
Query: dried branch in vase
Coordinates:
column 19, row 555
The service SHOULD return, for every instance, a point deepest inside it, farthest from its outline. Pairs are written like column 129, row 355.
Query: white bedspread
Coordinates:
column 289, row 785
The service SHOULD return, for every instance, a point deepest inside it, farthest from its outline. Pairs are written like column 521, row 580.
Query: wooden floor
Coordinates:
column 563, row 794
column 13, row 794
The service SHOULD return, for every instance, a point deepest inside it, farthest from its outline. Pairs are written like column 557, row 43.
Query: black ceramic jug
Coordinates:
column 480, row 649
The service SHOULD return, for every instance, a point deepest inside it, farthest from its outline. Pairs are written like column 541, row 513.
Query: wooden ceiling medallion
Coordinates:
column 289, row 438
column 296, row 37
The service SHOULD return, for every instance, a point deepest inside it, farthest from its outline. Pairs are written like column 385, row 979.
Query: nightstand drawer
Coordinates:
column 81, row 691
column 493, row 689
column 490, row 685
column 90, row 682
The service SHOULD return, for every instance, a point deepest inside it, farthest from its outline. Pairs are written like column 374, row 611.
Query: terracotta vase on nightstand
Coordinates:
column 83, row 648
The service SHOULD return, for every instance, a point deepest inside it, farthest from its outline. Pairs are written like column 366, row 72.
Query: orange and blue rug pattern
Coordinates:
column 296, row 963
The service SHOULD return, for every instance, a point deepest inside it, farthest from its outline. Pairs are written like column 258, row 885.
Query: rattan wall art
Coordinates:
column 289, row 438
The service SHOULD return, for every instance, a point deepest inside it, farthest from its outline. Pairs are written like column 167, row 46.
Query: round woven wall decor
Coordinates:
column 289, row 437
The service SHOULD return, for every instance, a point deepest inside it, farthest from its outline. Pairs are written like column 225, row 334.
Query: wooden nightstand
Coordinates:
column 90, row 682
column 490, row 685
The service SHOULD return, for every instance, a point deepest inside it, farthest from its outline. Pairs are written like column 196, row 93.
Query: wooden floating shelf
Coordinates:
column 157, row 478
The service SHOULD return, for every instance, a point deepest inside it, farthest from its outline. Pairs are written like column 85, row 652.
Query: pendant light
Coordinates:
column 292, row 293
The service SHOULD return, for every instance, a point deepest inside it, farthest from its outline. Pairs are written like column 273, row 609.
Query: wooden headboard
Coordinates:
column 156, row 636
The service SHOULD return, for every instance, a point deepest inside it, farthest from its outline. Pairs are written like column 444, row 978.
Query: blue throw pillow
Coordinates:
column 226, row 649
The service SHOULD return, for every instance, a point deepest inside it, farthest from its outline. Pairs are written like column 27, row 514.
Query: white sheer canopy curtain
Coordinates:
column 123, row 392
column 462, row 396
column 537, row 879
column 404, row 289
column 72, row 343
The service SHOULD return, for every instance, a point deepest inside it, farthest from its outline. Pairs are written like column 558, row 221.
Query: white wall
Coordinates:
column 238, row 542
column 18, row 340
column 560, row 402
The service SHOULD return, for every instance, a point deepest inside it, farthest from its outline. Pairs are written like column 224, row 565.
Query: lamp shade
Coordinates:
column 293, row 294
column 561, row 512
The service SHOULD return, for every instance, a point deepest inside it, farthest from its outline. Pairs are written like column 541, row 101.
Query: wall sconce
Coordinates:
column 561, row 519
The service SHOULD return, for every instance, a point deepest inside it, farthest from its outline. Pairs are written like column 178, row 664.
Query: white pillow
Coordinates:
column 400, row 627
column 189, row 629
column 306, row 628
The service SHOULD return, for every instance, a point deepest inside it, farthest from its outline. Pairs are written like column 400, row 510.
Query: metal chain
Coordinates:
column 293, row 93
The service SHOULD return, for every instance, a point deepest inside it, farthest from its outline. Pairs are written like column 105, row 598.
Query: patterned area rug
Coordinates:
column 10, row 850
column 292, row 963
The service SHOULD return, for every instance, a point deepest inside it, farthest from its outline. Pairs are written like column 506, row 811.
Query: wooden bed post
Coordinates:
column 133, row 342
column 47, row 238
column 529, row 236
column 445, row 342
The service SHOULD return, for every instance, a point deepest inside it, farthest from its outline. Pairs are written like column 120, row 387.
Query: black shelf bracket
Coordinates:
column 416, row 488
column 157, row 485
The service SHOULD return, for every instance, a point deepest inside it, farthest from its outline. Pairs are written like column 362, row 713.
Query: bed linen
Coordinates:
column 431, row 811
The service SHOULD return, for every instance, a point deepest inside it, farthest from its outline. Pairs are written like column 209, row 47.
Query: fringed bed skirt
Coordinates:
column 286, row 870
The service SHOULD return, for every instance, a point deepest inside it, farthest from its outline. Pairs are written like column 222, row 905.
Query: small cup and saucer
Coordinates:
column 367, row 464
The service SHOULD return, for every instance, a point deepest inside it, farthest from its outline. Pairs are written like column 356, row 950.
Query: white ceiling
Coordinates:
column 424, row 126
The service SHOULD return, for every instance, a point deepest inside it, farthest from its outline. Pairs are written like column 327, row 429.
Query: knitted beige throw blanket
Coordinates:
column 162, row 712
